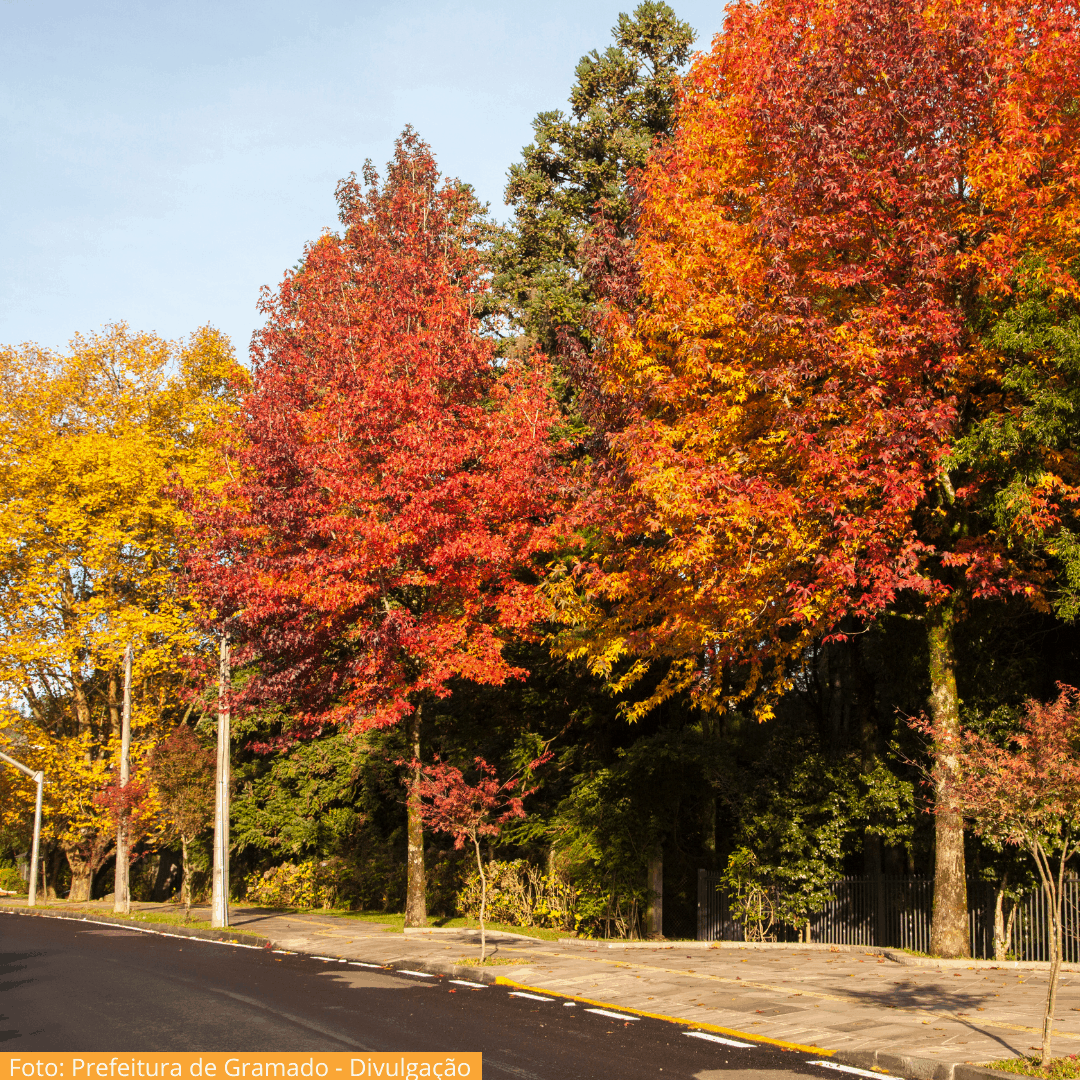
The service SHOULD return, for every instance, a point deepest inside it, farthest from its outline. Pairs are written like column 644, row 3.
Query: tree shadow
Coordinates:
column 952, row 1005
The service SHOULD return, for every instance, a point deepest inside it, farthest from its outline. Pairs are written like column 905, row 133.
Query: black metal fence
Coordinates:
column 894, row 912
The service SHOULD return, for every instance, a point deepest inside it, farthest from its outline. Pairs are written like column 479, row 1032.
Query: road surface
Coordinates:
column 80, row 987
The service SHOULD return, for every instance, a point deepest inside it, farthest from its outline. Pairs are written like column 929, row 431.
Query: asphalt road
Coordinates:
column 79, row 987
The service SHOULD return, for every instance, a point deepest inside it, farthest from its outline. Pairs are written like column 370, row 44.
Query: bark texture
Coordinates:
column 949, row 928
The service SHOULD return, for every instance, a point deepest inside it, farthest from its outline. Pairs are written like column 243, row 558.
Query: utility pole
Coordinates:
column 38, row 778
column 122, row 880
column 219, row 904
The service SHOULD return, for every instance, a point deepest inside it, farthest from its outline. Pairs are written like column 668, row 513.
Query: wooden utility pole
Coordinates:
column 219, row 909
column 122, row 880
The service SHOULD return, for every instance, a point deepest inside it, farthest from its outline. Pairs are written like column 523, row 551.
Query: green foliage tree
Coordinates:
column 622, row 99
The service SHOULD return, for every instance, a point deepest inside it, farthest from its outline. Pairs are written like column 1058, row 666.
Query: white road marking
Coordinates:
column 614, row 1016
column 532, row 997
column 717, row 1038
column 284, row 952
column 144, row 930
column 421, row 974
column 360, row 963
column 851, row 1069
column 465, row 982
column 331, row 959
column 569, row 1004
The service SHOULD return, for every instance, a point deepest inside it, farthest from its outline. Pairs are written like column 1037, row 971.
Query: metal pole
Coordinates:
column 219, row 906
column 122, row 879
column 39, row 778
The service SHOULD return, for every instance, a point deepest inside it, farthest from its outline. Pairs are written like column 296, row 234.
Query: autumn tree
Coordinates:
column 450, row 804
column 1026, row 793
column 181, row 770
column 91, row 445
column 390, row 479
column 803, row 334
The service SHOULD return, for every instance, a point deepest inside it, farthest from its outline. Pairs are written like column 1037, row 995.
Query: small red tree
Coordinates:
column 390, row 480
column 470, row 811
column 182, row 771
column 1025, row 793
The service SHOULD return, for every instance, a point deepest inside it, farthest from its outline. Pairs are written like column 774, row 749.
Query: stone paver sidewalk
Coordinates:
column 872, row 1010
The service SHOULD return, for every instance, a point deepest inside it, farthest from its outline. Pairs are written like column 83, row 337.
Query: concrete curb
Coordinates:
column 254, row 941
column 915, row 1068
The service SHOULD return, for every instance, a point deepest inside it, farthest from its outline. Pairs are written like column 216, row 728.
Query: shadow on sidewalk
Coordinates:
column 950, row 1005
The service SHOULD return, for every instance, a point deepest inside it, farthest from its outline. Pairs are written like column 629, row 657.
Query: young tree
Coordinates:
column 389, row 481
column 850, row 195
column 470, row 811
column 1026, row 793
column 182, row 774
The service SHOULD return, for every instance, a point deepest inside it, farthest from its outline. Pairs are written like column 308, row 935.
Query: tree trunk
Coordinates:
column 654, row 917
column 416, row 889
column 1053, row 890
column 82, row 877
column 1051, row 1004
column 1002, row 933
column 949, row 928
column 52, row 864
column 114, row 704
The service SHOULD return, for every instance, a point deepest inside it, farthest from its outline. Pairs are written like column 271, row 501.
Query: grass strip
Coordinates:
column 1060, row 1068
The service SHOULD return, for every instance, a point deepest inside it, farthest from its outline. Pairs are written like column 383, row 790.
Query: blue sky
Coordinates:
column 165, row 160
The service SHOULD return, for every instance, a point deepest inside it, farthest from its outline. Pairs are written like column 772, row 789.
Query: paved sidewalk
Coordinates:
column 872, row 1010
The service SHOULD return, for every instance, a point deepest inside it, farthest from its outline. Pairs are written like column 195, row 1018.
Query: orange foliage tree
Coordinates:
column 856, row 193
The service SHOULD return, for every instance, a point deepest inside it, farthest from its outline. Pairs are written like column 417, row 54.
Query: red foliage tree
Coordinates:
column 1025, row 793
column 851, row 192
column 470, row 811
column 182, row 771
column 388, row 487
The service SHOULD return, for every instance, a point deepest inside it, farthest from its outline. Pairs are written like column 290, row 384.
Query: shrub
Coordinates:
column 11, row 882
column 294, row 885
column 520, row 895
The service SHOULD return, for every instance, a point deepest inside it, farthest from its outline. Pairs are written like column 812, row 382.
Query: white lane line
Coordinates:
column 421, row 974
column 531, row 997
column 143, row 930
column 614, row 1016
column 465, row 982
column 717, row 1038
column 284, row 952
column 851, row 1069
column 330, row 959
column 569, row 1004
column 360, row 963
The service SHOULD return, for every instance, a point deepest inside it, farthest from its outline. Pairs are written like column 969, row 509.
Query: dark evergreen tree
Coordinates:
column 621, row 101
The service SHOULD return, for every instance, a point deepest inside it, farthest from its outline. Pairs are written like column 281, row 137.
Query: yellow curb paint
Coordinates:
column 502, row 981
column 843, row 1000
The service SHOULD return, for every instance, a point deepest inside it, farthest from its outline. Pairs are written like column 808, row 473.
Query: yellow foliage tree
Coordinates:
column 93, row 445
